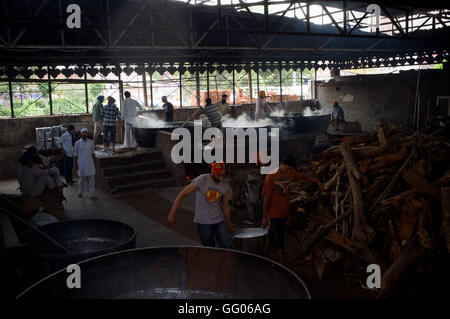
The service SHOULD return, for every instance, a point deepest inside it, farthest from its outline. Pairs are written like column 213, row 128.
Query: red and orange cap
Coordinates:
column 218, row 168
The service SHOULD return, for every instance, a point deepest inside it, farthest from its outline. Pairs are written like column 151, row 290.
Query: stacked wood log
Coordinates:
column 386, row 201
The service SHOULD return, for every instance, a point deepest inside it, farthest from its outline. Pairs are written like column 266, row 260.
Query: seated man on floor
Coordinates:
column 34, row 177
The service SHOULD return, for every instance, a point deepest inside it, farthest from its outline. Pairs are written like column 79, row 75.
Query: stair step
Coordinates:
column 107, row 162
column 119, row 189
column 118, row 170
column 131, row 178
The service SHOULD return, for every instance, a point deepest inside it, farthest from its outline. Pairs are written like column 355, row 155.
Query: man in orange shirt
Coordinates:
column 276, row 201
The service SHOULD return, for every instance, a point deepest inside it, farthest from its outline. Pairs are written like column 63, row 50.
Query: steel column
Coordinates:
column 11, row 102
column 144, row 85
column 86, row 93
column 50, row 90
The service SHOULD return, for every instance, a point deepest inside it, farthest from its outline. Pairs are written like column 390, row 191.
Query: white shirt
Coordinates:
column 129, row 109
column 28, row 178
column 260, row 104
column 84, row 150
column 65, row 141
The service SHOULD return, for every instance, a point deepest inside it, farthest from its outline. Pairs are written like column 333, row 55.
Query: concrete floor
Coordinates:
column 149, row 232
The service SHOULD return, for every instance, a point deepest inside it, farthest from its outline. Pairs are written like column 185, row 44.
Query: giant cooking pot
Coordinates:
column 180, row 272
column 296, row 123
column 146, row 136
column 85, row 238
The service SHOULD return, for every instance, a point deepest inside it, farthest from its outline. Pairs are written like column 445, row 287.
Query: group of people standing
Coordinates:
column 106, row 117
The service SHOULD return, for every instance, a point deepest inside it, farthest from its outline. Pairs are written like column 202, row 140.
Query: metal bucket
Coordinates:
column 252, row 240
column 175, row 272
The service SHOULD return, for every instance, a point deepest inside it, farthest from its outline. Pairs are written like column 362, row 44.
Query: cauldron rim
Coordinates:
column 102, row 252
column 274, row 263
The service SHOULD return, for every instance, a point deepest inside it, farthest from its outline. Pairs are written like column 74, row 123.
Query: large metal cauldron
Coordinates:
column 146, row 136
column 251, row 240
column 296, row 123
column 84, row 238
column 177, row 272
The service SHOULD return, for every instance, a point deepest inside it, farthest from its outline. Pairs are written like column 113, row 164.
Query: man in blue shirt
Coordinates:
column 337, row 115
column 65, row 144
column 97, row 117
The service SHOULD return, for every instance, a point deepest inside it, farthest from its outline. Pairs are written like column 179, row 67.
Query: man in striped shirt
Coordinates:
column 110, row 114
column 212, row 113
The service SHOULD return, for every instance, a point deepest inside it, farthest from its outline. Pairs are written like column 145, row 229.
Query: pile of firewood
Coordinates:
column 386, row 201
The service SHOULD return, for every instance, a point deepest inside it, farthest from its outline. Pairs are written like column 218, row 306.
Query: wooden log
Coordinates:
column 445, row 227
column 361, row 230
column 356, row 248
column 408, row 219
column 321, row 231
column 336, row 176
column 358, row 139
column 388, row 159
column 424, row 225
column 444, row 179
column 397, row 198
column 364, row 165
column 422, row 167
column 381, row 136
column 421, row 184
column 388, row 189
column 397, row 270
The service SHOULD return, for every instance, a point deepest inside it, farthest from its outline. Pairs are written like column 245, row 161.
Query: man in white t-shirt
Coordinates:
column 212, row 207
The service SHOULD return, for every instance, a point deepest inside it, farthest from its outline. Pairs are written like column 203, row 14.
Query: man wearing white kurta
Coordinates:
column 129, row 110
column 84, row 156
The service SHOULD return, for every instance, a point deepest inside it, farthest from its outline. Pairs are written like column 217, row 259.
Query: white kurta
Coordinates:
column 129, row 109
column 84, row 150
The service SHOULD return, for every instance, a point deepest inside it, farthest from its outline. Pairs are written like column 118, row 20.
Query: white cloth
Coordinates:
column 90, row 180
column 129, row 109
column 84, row 150
column 65, row 141
column 259, row 110
column 129, row 137
column 33, row 180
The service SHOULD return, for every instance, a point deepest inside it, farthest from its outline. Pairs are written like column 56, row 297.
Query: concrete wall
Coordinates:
column 22, row 130
column 368, row 98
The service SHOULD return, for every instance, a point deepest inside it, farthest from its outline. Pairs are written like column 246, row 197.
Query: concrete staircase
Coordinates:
column 124, row 174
